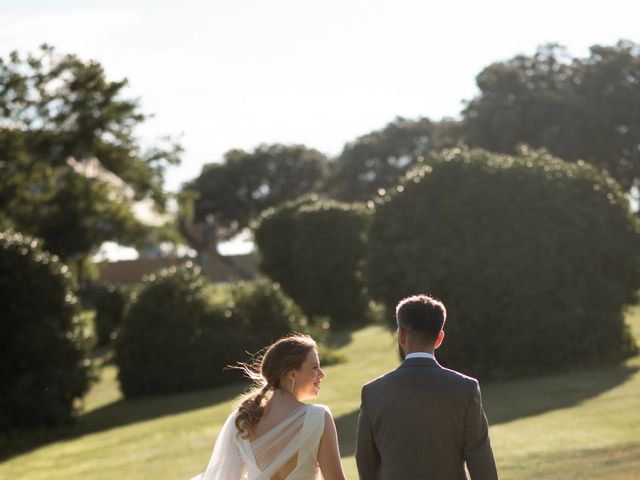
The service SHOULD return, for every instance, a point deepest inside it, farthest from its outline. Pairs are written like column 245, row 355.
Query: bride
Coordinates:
column 272, row 435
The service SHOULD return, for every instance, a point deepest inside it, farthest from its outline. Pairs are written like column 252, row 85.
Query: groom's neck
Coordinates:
column 418, row 348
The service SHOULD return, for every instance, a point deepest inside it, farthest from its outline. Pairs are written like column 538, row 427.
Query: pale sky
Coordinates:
column 237, row 73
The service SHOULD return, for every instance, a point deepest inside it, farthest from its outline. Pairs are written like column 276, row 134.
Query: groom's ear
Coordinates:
column 439, row 339
column 402, row 336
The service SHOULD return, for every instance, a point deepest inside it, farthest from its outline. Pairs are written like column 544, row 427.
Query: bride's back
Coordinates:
column 276, row 411
column 283, row 414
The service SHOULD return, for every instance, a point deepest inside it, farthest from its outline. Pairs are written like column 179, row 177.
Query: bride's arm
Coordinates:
column 328, row 453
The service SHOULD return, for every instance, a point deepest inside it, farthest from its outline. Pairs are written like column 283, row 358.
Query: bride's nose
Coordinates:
column 321, row 374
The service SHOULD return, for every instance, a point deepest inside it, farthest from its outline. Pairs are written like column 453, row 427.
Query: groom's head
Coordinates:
column 420, row 321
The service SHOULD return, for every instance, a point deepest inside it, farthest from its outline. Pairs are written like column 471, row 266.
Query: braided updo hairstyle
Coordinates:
column 286, row 354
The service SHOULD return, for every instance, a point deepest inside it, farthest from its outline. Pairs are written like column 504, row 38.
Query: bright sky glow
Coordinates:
column 233, row 74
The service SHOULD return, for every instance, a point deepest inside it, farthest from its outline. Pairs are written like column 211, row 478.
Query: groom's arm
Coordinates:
column 477, row 446
column 367, row 455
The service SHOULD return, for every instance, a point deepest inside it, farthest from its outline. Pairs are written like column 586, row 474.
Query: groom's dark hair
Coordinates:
column 421, row 314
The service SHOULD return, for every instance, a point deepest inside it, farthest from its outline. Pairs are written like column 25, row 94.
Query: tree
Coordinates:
column 379, row 159
column 82, row 214
column 68, row 154
column 577, row 108
column 227, row 196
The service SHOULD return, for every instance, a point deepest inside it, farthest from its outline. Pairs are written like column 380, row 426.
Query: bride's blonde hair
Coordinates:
column 266, row 372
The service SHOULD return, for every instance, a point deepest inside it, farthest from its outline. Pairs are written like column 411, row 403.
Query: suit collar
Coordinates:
column 419, row 362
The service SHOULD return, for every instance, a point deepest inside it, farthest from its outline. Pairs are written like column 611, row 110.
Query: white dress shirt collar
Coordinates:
column 420, row 355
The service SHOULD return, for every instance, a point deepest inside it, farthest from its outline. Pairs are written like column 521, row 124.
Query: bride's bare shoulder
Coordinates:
column 320, row 409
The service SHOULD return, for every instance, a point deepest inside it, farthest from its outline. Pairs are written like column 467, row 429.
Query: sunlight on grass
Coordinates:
column 577, row 425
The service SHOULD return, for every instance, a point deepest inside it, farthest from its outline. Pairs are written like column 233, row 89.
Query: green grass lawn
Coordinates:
column 577, row 425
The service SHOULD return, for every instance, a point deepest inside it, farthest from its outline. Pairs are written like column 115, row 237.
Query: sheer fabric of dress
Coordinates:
column 293, row 442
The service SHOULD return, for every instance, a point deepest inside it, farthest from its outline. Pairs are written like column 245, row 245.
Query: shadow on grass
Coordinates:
column 346, row 426
column 117, row 414
column 125, row 412
column 517, row 399
column 514, row 400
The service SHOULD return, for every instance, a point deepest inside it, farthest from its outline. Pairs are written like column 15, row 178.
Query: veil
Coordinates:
column 237, row 458
column 226, row 460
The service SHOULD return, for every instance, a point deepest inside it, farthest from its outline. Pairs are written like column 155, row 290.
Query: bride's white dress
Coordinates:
column 294, row 441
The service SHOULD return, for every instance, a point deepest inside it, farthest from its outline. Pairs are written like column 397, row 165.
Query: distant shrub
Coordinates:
column 158, row 347
column 534, row 258
column 316, row 251
column 110, row 302
column 43, row 342
column 262, row 312
column 176, row 338
column 330, row 356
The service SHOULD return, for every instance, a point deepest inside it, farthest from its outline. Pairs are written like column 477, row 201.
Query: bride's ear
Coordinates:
column 290, row 381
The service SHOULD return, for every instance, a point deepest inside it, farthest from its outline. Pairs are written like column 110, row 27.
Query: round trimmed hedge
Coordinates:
column 44, row 366
column 180, row 334
column 274, row 233
column 534, row 258
column 316, row 250
column 262, row 312
column 159, row 348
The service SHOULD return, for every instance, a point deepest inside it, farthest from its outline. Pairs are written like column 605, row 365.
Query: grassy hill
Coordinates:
column 574, row 425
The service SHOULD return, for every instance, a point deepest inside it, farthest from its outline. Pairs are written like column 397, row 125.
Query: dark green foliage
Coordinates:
column 110, row 302
column 159, row 347
column 534, row 258
column 82, row 214
column 315, row 250
column 227, row 196
column 274, row 234
column 577, row 108
column 67, row 144
column 60, row 106
column 230, row 194
column 263, row 313
column 43, row 342
column 380, row 158
column 178, row 337
column 331, row 356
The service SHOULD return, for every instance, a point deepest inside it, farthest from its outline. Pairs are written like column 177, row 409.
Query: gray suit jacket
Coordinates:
column 423, row 421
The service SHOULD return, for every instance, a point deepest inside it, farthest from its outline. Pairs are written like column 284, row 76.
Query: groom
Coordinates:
column 422, row 421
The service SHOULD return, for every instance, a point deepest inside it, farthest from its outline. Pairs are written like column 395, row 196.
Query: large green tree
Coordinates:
column 379, row 159
column 227, row 196
column 70, row 163
column 577, row 108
